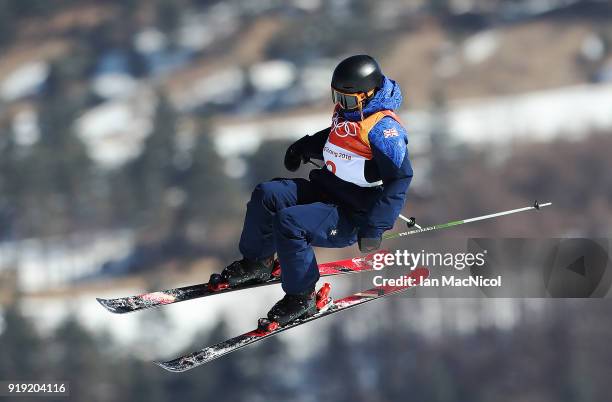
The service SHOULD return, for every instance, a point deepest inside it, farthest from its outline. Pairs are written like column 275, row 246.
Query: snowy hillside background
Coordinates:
column 131, row 135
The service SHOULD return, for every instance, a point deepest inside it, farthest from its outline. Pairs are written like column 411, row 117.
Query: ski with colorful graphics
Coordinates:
column 155, row 299
column 266, row 328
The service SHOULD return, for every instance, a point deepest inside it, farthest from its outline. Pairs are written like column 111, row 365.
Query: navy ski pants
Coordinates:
column 289, row 216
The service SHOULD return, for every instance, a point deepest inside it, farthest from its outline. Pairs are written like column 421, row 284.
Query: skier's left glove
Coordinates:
column 369, row 244
column 294, row 156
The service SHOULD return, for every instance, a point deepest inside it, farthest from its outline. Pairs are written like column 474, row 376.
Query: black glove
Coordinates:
column 368, row 244
column 295, row 155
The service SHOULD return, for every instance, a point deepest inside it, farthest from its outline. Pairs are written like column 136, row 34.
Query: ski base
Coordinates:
column 266, row 328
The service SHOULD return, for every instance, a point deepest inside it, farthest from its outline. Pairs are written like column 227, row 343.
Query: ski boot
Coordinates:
column 297, row 306
column 243, row 272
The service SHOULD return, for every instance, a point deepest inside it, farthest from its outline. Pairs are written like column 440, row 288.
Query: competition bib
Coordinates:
column 348, row 147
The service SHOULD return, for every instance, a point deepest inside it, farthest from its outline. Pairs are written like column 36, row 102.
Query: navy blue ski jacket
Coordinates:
column 374, row 208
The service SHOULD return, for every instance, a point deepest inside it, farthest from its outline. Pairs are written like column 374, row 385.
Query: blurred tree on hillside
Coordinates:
column 168, row 14
column 211, row 196
column 439, row 7
column 11, row 189
column 47, row 183
column 76, row 355
column 335, row 370
column 152, row 172
column 180, row 184
column 267, row 163
column 21, row 348
column 7, row 23
column 339, row 29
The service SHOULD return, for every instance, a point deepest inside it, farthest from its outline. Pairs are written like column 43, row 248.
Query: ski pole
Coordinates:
column 412, row 221
column 314, row 163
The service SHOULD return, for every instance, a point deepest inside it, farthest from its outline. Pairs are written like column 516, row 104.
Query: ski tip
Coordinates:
column 173, row 368
column 104, row 303
column 108, row 306
column 167, row 367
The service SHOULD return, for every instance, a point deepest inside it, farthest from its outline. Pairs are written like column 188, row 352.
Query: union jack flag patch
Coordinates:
column 390, row 132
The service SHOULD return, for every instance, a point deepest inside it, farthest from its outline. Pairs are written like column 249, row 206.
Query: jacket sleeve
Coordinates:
column 388, row 140
column 312, row 145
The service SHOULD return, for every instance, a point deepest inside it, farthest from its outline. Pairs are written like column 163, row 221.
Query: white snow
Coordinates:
column 235, row 167
column 568, row 112
column 25, row 127
column 479, row 47
column 114, row 131
column 223, row 18
column 307, row 5
column 45, row 263
column 593, row 48
column 461, row 6
column 315, row 78
column 541, row 6
column 245, row 138
column 150, row 40
column 114, row 85
column 24, row 80
column 195, row 33
column 238, row 140
column 272, row 75
column 221, row 86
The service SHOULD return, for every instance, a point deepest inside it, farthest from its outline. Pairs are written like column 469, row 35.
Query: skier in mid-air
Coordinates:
column 355, row 197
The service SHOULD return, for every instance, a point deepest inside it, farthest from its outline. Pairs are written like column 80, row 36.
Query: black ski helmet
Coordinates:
column 359, row 73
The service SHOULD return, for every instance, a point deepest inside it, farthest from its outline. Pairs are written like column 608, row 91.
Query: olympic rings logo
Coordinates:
column 344, row 128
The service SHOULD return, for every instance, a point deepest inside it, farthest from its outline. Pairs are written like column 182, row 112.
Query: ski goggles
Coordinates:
column 349, row 101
